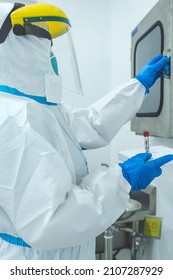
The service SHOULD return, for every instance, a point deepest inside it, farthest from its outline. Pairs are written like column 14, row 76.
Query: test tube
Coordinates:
column 146, row 141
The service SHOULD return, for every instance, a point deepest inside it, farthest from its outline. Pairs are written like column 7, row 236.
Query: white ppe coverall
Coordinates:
column 50, row 207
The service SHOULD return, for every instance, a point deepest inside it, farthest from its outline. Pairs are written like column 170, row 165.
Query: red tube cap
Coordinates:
column 146, row 133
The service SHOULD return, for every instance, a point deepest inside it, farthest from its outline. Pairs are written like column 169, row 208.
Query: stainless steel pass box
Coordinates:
column 152, row 36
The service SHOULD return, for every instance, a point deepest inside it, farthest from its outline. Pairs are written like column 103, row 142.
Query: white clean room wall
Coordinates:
column 125, row 15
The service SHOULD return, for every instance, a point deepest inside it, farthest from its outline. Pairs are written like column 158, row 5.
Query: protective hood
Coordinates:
column 24, row 60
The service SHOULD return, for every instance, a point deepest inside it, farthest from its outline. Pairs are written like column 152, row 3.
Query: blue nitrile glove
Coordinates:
column 153, row 70
column 139, row 172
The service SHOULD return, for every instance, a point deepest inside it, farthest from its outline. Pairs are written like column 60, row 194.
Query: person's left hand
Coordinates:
column 153, row 70
column 139, row 171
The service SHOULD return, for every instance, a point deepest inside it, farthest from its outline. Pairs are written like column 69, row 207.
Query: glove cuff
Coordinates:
column 139, row 78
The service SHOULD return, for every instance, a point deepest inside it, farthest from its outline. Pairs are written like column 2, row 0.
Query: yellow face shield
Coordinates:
column 45, row 16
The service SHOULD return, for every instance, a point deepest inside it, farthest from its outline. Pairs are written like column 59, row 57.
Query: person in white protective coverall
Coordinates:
column 50, row 207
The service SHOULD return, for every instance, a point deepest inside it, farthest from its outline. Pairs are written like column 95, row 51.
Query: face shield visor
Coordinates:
column 64, row 51
column 47, row 21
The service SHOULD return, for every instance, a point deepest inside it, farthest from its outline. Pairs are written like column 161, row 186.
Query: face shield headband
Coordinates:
column 29, row 29
column 20, row 30
column 7, row 25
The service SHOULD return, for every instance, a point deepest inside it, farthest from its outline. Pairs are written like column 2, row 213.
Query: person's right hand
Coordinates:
column 139, row 171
